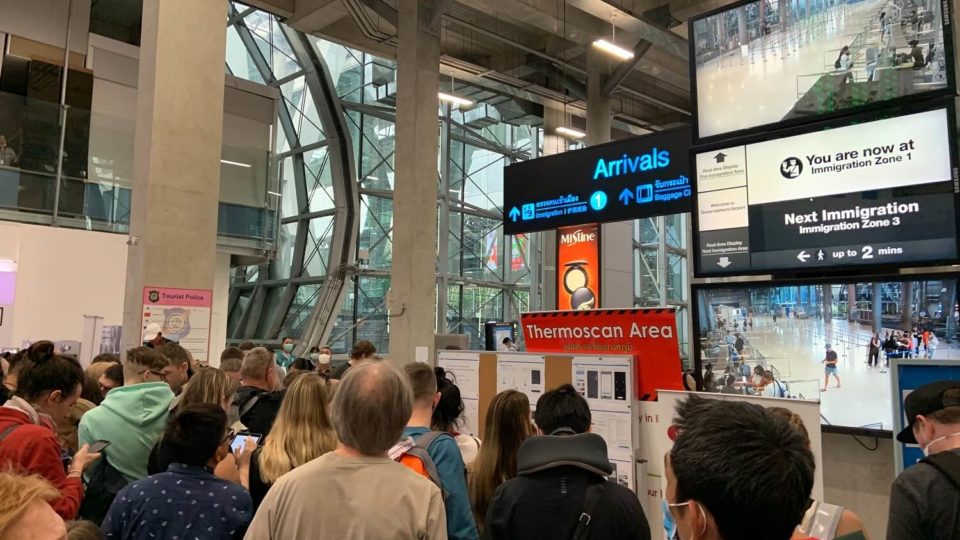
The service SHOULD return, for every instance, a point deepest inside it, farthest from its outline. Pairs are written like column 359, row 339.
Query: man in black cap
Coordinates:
column 925, row 500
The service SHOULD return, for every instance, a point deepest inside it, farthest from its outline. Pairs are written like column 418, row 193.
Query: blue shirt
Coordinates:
column 185, row 502
column 449, row 462
column 285, row 359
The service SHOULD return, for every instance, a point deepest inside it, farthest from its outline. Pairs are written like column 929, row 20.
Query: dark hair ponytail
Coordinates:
column 447, row 415
column 44, row 370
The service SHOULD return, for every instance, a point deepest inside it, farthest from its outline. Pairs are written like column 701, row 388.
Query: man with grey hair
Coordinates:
column 371, row 408
column 257, row 402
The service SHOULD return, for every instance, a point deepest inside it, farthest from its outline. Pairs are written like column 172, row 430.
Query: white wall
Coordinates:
column 218, row 315
column 46, row 21
column 64, row 274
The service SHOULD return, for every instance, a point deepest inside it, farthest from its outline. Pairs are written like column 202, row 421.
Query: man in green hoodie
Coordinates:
column 133, row 416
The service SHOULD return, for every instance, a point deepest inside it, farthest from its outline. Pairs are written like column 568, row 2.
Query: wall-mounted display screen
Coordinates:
column 744, row 330
column 622, row 180
column 761, row 63
column 876, row 193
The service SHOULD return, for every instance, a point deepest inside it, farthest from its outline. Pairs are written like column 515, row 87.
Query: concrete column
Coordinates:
column 742, row 25
column 413, row 299
column 552, row 144
column 877, row 307
column 177, row 144
column 906, row 316
column 783, row 14
column 616, row 239
column 599, row 66
column 827, row 304
column 851, row 301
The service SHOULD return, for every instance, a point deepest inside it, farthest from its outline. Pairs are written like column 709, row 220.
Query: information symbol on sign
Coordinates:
column 598, row 201
column 529, row 211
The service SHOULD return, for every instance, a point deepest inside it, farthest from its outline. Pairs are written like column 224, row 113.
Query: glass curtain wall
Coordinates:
column 485, row 275
column 660, row 270
column 275, row 299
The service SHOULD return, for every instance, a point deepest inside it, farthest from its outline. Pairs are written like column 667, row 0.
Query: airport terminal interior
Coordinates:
column 618, row 202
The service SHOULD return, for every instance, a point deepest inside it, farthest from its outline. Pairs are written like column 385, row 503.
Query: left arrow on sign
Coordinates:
column 514, row 213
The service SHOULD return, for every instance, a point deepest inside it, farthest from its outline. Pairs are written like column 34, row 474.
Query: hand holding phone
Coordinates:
column 239, row 443
column 98, row 446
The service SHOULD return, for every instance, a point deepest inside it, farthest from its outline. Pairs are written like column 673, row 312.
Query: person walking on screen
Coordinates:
column 830, row 367
column 874, row 355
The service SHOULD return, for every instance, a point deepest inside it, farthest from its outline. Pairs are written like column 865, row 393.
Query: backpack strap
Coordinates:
column 250, row 404
column 10, row 429
column 420, row 450
column 590, row 500
column 948, row 463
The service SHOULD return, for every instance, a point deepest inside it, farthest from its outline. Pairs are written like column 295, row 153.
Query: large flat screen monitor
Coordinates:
column 878, row 193
column 788, row 61
column 745, row 329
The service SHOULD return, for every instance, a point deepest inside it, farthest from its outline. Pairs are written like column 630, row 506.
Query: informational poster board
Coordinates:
column 463, row 368
column 654, row 443
column 183, row 316
column 578, row 263
column 606, row 382
column 905, row 377
column 524, row 373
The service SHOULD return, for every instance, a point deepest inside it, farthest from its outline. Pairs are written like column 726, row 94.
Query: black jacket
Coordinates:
column 259, row 419
column 547, row 497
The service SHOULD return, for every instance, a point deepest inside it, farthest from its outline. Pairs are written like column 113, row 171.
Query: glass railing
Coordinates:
column 98, row 171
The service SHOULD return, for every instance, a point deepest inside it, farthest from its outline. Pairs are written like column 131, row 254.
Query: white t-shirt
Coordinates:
column 774, row 389
column 469, row 447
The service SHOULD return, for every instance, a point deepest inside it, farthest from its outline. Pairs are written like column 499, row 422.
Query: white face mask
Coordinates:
column 926, row 448
column 324, row 359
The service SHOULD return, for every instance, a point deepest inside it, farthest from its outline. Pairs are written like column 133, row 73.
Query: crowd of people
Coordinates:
column 265, row 446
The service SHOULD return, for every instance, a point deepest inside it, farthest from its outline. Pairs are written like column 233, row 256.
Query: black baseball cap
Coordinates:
column 925, row 400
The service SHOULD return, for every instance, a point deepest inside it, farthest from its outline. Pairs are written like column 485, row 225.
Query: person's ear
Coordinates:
column 436, row 400
column 55, row 396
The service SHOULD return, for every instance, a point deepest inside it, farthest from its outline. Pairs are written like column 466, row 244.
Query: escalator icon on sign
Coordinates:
column 791, row 168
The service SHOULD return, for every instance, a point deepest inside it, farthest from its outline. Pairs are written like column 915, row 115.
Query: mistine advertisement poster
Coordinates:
column 578, row 267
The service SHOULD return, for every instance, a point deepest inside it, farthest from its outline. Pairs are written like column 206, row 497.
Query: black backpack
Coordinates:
column 105, row 482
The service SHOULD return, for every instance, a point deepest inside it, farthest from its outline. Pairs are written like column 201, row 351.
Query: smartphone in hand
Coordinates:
column 98, row 446
column 236, row 446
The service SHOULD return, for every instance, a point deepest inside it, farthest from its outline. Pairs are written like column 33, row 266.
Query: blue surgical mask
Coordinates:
column 669, row 525
column 287, row 347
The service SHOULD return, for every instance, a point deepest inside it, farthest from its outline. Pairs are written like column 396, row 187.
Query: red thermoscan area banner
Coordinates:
column 649, row 334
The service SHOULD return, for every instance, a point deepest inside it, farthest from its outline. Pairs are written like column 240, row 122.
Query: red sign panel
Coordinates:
column 578, row 267
column 648, row 334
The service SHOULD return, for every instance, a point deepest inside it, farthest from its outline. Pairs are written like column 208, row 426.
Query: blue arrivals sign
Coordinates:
column 635, row 178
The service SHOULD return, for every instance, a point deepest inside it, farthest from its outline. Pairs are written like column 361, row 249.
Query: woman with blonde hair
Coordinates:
column 301, row 433
column 208, row 385
column 506, row 426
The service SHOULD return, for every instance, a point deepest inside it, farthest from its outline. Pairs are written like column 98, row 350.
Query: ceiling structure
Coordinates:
column 521, row 55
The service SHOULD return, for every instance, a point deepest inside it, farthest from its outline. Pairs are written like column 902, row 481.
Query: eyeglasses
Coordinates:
column 161, row 375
